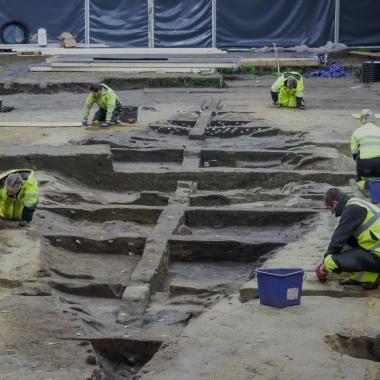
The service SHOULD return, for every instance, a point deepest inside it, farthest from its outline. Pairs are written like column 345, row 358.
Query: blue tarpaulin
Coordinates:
column 188, row 23
column 335, row 70
column 359, row 22
column 119, row 23
column 286, row 22
column 182, row 23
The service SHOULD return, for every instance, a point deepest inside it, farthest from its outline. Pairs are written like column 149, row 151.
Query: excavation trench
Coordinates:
column 216, row 250
column 160, row 229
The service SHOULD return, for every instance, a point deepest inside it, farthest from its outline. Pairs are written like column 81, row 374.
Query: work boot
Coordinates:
column 348, row 281
column 23, row 223
column 371, row 285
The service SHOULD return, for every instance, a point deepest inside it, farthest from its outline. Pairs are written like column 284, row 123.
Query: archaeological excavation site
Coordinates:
column 159, row 198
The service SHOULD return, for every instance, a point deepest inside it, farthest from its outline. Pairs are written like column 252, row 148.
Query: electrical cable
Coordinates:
column 20, row 25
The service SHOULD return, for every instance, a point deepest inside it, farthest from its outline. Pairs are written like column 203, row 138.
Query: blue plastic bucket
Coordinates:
column 374, row 189
column 280, row 287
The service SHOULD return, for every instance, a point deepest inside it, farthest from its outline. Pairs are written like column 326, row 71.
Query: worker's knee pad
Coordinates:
column 330, row 264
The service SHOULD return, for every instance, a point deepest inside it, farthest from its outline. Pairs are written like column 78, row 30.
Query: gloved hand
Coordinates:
column 85, row 122
column 321, row 272
column 274, row 97
column 300, row 103
column 104, row 125
column 23, row 223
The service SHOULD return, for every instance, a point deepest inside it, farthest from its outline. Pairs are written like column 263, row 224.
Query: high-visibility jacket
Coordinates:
column 107, row 100
column 366, row 141
column 280, row 84
column 368, row 233
column 11, row 208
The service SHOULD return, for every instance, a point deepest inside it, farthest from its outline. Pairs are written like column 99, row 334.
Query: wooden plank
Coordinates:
column 357, row 116
column 282, row 61
column 191, row 58
column 117, row 65
column 112, row 51
column 169, row 55
column 366, row 53
column 122, row 69
column 40, row 124
column 198, row 132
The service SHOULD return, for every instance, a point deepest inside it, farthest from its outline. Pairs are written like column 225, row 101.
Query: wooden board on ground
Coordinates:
column 114, row 127
column 366, row 53
column 282, row 61
column 40, row 124
column 118, row 65
column 357, row 116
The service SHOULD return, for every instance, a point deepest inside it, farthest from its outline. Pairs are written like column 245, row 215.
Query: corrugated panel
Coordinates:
column 256, row 23
column 185, row 23
column 119, row 23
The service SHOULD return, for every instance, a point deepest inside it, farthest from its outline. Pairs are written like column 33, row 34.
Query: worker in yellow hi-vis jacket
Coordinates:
column 18, row 195
column 108, row 102
column 287, row 91
column 365, row 148
column 358, row 229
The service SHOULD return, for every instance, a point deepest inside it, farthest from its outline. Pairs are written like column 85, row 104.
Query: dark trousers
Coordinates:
column 101, row 113
column 357, row 260
column 27, row 214
column 369, row 167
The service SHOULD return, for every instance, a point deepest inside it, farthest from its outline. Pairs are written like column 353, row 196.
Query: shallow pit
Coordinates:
column 252, row 159
column 195, row 249
column 361, row 347
column 122, row 358
column 128, row 159
column 251, row 198
column 119, row 245
column 222, row 217
column 206, row 277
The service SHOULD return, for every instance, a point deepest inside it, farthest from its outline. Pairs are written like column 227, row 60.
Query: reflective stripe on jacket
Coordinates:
column 366, row 141
column 12, row 208
column 368, row 233
column 280, row 84
column 107, row 101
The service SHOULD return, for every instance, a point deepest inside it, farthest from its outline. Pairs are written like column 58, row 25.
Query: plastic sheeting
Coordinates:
column 184, row 23
column 188, row 23
column 248, row 23
column 359, row 22
column 119, row 23
column 56, row 16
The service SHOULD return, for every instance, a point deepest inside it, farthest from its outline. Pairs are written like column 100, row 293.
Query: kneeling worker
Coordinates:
column 359, row 227
column 18, row 195
column 287, row 91
column 108, row 102
column 365, row 148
